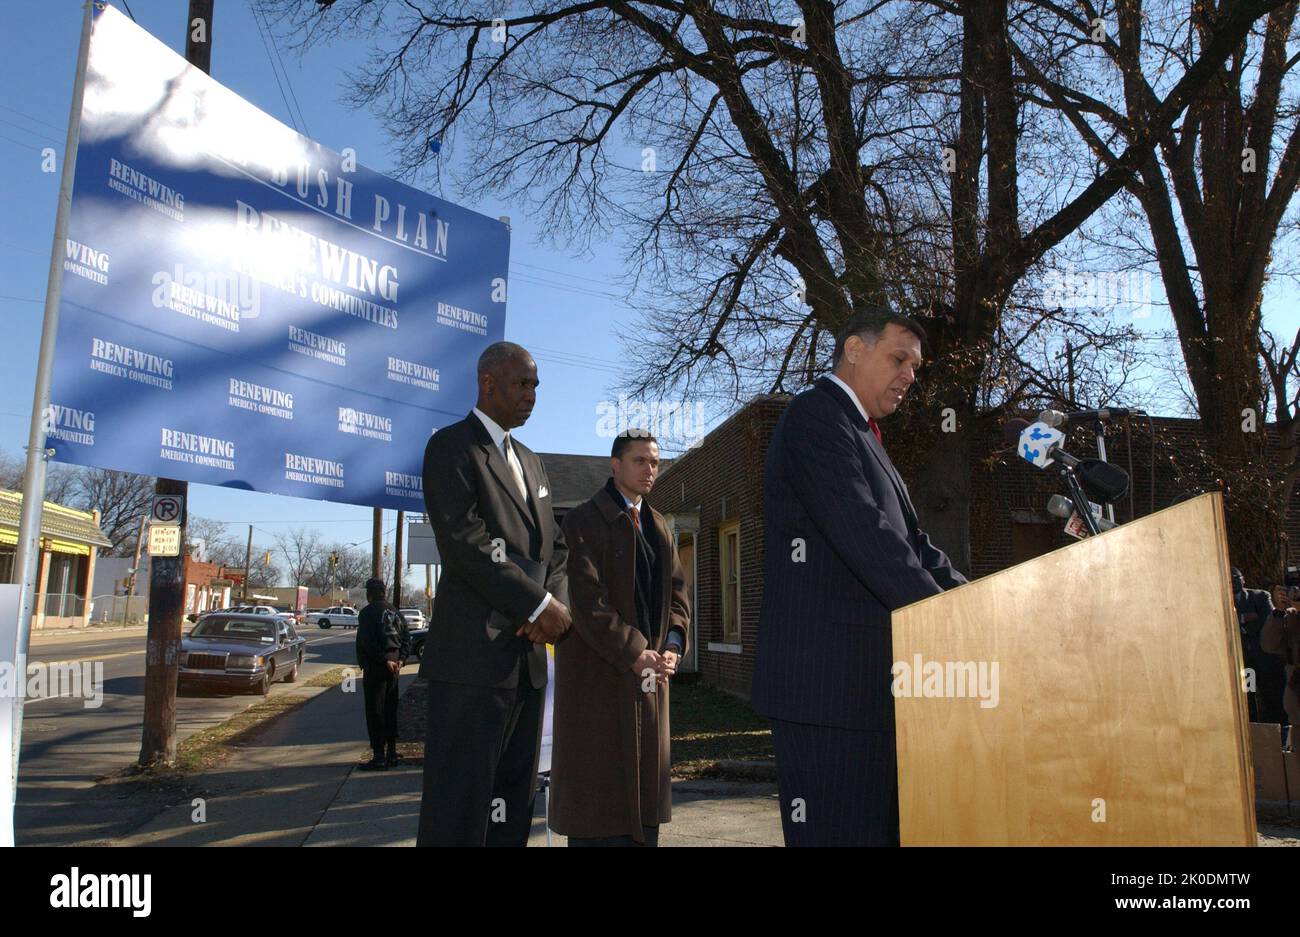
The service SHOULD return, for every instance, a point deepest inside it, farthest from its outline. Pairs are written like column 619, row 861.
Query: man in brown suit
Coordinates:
column 610, row 760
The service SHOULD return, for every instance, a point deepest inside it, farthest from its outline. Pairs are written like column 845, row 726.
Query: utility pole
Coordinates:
column 248, row 560
column 167, row 573
column 397, row 562
column 1069, row 370
column 135, row 566
column 377, row 546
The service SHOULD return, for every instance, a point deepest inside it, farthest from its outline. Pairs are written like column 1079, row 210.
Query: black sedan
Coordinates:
column 417, row 642
column 239, row 651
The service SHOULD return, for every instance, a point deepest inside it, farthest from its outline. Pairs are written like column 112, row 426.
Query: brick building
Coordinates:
column 713, row 496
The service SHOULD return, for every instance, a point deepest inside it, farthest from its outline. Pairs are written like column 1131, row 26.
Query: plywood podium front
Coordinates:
column 1109, row 710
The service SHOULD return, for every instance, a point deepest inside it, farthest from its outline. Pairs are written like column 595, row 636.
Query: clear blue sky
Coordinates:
column 562, row 308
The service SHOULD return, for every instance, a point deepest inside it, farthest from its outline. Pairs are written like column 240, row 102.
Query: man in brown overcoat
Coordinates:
column 610, row 760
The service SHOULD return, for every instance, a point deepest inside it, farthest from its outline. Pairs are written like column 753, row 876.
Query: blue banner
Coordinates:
column 244, row 307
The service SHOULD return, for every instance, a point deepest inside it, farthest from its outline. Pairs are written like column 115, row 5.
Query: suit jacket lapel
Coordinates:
column 874, row 445
column 878, row 450
column 506, row 478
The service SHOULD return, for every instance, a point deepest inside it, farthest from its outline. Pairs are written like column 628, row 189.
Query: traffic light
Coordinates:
column 334, row 560
column 266, row 561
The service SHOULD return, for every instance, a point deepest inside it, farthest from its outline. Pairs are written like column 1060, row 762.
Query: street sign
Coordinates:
column 167, row 509
column 164, row 540
column 421, row 547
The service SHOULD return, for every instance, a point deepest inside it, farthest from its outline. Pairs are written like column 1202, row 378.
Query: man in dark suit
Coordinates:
column 842, row 550
column 501, row 598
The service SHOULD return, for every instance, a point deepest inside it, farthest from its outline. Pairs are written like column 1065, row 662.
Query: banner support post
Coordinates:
column 27, row 551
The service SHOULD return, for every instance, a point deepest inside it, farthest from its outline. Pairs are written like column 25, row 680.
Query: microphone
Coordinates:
column 1037, row 443
column 1062, row 507
column 1058, row 418
column 1040, row 445
column 1102, row 481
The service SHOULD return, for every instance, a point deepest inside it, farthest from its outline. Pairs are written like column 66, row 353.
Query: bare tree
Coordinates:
column 218, row 545
column 121, row 498
column 1215, row 198
column 351, row 571
column 60, row 480
column 786, row 171
column 302, row 550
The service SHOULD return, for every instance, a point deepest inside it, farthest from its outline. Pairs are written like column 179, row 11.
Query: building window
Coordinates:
column 729, row 561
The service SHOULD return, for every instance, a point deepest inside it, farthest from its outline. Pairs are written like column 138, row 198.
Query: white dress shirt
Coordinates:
column 498, row 439
column 852, row 396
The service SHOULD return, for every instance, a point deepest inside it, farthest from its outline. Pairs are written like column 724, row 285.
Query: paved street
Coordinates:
column 66, row 746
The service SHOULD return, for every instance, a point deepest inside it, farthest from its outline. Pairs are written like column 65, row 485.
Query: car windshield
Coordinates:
column 238, row 628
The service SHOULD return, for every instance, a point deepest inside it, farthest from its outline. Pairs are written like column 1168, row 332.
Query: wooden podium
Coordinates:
column 1119, row 717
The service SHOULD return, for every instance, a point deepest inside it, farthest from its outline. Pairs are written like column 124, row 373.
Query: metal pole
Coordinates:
column 397, row 562
column 248, row 561
column 1100, row 429
column 29, row 527
column 377, row 545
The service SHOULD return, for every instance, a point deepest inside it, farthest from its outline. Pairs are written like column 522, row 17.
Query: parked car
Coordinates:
column 239, row 651
column 414, row 617
column 417, row 642
column 290, row 613
column 341, row 615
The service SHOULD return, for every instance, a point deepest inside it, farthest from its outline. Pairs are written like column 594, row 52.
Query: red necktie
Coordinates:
column 636, row 516
column 875, row 428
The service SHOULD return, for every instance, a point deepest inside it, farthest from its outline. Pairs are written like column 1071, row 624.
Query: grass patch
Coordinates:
column 710, row 726
column 210, row 747
column 333, row 677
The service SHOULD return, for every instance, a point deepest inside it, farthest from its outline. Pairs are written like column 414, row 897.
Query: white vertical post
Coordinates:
column 29, row 530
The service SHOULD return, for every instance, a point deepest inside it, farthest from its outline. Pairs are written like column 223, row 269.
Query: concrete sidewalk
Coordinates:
column 296, row 784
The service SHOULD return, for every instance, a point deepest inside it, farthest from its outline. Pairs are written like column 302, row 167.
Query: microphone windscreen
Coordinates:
column 1102, row 481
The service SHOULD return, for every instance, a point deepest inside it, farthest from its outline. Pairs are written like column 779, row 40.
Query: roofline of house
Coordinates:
column 751, row 402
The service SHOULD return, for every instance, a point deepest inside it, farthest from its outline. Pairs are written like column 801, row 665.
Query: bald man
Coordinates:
column 501, row 598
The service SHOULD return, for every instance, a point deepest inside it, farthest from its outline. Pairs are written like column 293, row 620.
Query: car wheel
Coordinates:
column 268, row 678
column 292, row 675
column 419, row 651
column 324, row 622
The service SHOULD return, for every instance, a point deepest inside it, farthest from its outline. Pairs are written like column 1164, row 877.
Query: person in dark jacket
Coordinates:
column 1254, row 608
column 383, row 644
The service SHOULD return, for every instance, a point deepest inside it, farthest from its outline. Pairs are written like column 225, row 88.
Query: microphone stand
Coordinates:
column 1100, row 429
column 1065, row 468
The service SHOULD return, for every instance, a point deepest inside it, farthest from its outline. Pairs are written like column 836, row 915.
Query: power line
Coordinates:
column 35, row 120
column 283, row 96
column 576, row 276
column 293, row 94
column 25, row 144
column 19, row 247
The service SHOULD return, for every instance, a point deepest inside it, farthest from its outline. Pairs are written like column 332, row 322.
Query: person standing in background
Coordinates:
column 383, row 644
column 501, row 599
column 610, row 758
